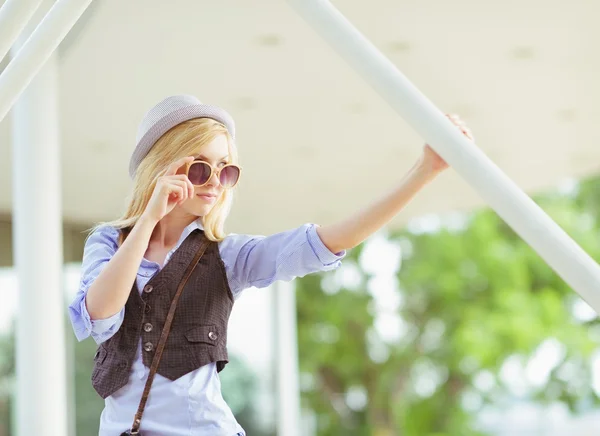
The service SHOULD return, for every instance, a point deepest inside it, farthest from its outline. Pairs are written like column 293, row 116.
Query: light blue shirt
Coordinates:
column 192, row 404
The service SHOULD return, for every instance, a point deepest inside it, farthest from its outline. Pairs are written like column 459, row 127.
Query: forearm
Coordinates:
column 358, row 227
column 109, row 292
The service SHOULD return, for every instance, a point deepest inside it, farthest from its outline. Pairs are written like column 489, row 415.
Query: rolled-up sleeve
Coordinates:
column 99, row 249
column 260, row 260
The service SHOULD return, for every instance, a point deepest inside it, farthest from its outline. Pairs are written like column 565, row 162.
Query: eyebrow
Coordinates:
column 202, row 157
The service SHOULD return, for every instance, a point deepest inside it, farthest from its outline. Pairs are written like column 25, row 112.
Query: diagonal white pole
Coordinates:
column 14, row 16
column 37, row 49
column 526, row 218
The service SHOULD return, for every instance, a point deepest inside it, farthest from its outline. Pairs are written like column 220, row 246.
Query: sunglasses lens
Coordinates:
column 199, row 173
column 229, row 176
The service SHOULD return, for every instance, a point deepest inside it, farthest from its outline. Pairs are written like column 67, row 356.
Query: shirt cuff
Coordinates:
column 97, row 328
column 325, row 256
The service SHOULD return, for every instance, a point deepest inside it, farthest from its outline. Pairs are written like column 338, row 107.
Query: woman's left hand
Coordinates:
column 359, row 226
column 433, row 162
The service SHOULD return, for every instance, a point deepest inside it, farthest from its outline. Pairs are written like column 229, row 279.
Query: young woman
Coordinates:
column 158, row 284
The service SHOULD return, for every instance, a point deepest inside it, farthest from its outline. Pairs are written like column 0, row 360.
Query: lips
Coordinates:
column 207, row 197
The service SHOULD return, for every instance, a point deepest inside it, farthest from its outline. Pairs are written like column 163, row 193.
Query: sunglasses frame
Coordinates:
column 214, row 171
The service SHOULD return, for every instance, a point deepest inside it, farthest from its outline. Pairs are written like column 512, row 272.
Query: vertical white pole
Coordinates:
column 561, row 253
column 286, row 355
column 41, row 387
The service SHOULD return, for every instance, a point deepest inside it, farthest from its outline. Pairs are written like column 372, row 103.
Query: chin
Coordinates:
column 198, row 209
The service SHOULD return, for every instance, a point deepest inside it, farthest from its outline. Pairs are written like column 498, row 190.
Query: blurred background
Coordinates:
column 445, row 323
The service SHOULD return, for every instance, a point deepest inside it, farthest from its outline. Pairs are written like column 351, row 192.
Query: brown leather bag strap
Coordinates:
column 163, row 338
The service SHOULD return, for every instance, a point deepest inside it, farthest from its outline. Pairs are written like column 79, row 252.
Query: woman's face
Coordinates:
column 216, row 154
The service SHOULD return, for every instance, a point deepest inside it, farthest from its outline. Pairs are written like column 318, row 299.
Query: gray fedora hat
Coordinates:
column 167, row 114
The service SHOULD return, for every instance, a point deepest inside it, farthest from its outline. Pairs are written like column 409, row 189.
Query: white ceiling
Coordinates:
column 315, row 141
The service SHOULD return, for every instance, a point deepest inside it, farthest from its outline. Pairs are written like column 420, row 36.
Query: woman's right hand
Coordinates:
column 171, row 190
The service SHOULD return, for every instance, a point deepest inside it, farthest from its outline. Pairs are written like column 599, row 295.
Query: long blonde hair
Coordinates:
column 185, row 139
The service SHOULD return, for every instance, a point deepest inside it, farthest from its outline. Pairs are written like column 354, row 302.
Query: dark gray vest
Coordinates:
column 199, row 331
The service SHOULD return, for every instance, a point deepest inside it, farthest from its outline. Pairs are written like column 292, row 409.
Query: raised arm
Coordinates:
column 355, row 229
column 108, row 293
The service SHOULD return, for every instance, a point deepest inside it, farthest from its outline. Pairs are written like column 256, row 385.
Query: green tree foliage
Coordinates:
column 240, row 389
column 7, row 370
column 88, row 404
column 473, row 296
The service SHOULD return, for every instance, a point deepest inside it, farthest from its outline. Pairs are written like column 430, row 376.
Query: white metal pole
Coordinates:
column 14, row 16
column 41, row 385
column 286, row 359
column 573, row 264
column 38, row 48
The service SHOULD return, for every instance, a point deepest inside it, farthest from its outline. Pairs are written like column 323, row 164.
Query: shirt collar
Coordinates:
column 194, row 225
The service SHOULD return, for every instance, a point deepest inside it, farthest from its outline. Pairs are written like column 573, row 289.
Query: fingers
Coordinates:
column 456, row 120
column 179, row 189
column 182, row 177
column 174, row 187
column 461, row 125
column 178, row 185
column 190, row 187
column 174, row 167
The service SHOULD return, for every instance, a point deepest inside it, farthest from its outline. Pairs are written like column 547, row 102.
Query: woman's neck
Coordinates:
column 168, row 230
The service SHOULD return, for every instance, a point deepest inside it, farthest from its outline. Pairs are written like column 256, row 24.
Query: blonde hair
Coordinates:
column 185, row 139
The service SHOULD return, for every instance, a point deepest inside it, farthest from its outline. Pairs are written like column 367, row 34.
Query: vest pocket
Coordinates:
column 206, row 334
column 202, row 344
column 100, row 355
column 99, row 358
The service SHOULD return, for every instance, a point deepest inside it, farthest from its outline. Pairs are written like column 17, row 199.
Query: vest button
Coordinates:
column 213, row 336
column 147, row 308
column 148, row 346
column 147, row 327
column 147, row 289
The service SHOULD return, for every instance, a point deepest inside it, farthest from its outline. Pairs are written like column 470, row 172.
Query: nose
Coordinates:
column 214, row 179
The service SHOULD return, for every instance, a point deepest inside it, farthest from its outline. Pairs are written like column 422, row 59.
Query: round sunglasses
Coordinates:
column 200, row 172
